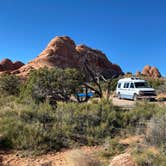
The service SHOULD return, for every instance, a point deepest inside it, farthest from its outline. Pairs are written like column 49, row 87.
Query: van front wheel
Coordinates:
column 135, row 97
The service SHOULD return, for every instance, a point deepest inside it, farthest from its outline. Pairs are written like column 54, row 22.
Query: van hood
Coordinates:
column 146, row 89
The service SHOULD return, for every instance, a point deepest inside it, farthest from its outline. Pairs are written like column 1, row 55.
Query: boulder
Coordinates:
column 155, row 72
column 7, row 66
column 17, row 65
column 122, row 160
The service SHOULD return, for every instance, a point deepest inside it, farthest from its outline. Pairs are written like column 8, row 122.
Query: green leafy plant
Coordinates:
column 9, row 84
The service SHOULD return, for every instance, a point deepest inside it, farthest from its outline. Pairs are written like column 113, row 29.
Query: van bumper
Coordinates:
column 147, row 97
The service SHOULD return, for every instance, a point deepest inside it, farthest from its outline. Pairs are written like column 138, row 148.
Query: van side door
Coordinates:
column 131, row 90
column 125, row 93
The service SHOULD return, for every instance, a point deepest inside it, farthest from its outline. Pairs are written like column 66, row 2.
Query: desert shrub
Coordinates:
column 155, row 83
column 41, row 128
column 111, row 84
column 155, row 132
column 90, row 123
column 162, row 88
column 25, row 125
column 152, row 151
column 142, row 112
column 112, row 147
column 30, row 127
column 148, row 156
column 9, row 84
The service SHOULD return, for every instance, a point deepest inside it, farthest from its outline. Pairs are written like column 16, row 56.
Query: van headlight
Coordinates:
column 141, row 93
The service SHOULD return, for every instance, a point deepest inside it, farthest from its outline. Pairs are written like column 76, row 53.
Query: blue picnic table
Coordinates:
column 90, row 94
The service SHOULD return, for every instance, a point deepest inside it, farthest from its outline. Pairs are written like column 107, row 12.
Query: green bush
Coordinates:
column 143, row 111
column 30, row 127
column 155, row 83
column 9, row 84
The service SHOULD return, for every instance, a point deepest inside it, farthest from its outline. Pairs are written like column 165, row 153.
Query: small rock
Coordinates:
column 122, row 160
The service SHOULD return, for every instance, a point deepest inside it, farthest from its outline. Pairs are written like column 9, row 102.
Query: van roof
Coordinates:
column 135, row 79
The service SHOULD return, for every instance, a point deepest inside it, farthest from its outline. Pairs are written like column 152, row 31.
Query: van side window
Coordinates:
column 126, row 85
column 131, row 85
column 119, row 85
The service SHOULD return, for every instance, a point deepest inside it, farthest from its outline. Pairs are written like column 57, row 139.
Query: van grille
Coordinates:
column 149, row 93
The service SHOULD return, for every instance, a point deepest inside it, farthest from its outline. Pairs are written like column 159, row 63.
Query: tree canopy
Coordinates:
column 55, row 83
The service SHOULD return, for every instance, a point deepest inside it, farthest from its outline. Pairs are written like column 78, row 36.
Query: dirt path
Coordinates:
column 123, row 103
column 129, row 104
column 51, row 159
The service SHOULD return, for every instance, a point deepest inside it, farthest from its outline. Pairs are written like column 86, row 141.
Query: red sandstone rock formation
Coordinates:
column 17, row 65
column 7, row 66
column 151, row 72
column 63, row 52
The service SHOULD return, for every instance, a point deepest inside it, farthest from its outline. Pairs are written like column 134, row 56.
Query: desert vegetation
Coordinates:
column 35, row 123
column 153, row 151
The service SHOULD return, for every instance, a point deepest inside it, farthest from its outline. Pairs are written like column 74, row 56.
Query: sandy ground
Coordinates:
column 51, row 159
column 124, row 103
column 59, row 158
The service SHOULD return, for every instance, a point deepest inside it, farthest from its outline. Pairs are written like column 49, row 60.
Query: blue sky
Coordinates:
column 132, row 33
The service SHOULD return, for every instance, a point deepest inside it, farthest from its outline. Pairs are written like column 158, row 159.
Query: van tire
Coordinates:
column 119, row 95
column 135, row 97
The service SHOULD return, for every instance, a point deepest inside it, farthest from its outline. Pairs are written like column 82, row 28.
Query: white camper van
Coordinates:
column 134, row 88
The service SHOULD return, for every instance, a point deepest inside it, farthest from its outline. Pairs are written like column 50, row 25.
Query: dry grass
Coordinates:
column 78, row 158
column 155, row 132
column 131, row 140
column 161, row 97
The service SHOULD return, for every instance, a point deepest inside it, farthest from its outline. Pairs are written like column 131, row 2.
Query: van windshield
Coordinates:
column 142, row 85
